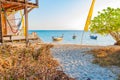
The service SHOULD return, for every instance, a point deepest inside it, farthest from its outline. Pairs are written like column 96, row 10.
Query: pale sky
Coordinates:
column 65, row 14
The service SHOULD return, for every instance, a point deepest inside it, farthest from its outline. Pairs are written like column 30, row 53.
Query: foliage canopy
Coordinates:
column 107, row 21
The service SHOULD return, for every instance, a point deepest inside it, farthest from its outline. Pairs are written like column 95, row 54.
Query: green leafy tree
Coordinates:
column 107, row 22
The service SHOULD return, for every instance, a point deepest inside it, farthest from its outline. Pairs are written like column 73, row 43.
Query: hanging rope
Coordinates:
column 18, row 25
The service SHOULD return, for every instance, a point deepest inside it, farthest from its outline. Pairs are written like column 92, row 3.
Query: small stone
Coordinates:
column 88, row 79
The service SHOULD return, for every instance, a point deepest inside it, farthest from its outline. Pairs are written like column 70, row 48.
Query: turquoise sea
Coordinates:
column 46, row 36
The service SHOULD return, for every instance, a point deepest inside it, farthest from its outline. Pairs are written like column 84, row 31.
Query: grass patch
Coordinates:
column 31, row 63
column 107, row 56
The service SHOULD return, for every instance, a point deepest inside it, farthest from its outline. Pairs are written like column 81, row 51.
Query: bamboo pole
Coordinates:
column 1, row 37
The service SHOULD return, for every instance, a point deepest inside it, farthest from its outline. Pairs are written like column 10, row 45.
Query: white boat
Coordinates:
column 57, row 38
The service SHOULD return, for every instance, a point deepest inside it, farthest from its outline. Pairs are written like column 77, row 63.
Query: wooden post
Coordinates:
column 37, row 2
column 4, row 28
column 1, row 37
column 26, row 22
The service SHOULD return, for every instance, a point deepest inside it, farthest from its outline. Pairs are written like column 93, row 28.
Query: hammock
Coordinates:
column 18, row 25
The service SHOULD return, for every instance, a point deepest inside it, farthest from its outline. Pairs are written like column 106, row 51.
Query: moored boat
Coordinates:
column 93, row 37
column 57, row 38
column 74, row 37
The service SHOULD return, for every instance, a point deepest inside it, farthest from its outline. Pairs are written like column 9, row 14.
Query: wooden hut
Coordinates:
column 7, row 8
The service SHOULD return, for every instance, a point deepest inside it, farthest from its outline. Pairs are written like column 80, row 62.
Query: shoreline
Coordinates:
column 82, row 45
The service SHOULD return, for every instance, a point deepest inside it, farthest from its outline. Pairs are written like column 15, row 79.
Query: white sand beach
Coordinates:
column 77, row 64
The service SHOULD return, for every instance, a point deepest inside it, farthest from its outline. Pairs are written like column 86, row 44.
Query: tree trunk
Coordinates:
column 116, row 37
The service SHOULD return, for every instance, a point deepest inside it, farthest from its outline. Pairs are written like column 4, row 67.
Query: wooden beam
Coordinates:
column 30, row 9
column 17, row 8
column 10, row 9
column 19, row 3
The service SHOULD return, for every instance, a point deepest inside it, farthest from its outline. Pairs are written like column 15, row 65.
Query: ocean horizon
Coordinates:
column 46, row 36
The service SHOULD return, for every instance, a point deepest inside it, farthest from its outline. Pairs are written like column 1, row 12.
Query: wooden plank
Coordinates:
column 15, row 8
column 6, row 38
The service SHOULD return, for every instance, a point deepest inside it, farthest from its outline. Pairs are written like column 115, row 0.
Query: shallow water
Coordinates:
column 77, row 64
column 46, row 36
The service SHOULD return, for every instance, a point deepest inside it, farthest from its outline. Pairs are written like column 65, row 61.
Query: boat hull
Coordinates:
column 57, row 39
column 93, row 37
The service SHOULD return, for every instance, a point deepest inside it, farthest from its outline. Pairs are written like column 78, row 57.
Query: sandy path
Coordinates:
column 77, row 64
